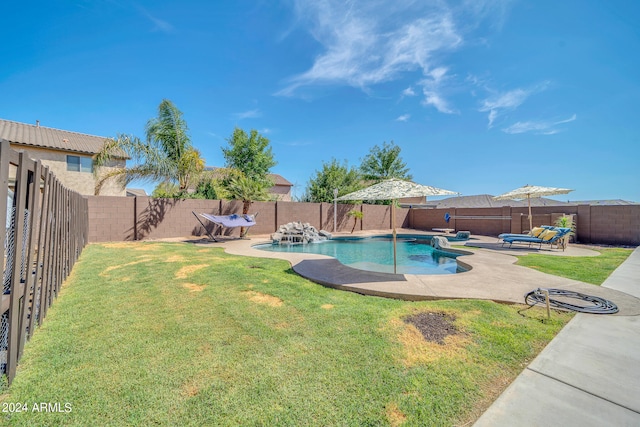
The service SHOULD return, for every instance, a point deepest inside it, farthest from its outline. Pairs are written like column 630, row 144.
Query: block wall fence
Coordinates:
column 146, row 218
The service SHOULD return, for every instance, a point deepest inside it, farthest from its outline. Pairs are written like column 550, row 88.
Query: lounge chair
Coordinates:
column 228, row 221
column 549, row 236
column 535, row 232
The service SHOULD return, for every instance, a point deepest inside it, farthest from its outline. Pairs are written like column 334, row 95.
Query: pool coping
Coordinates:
column 493, row 275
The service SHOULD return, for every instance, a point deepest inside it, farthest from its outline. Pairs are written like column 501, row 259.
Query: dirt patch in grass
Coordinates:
column 190, row 390
column 261, row 298
column 394, row 415
column 327, row 306
column 433, row 326
column 282, row 325
column 184, row 272
column 118, row 245
column 175, row 258
column 136, row 246
column 429, row 336
column 193, row 287
column 114, row 267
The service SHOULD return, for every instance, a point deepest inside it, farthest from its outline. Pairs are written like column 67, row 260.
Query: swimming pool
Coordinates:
column 415, row 255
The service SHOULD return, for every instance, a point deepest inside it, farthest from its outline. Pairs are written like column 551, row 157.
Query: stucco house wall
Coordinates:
column 82, row 182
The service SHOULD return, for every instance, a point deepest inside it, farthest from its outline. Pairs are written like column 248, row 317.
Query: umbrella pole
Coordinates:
column 393, row 225
column 530, row 219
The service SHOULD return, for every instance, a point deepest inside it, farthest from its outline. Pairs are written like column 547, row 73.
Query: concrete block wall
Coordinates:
column 162, row 218
column 266, row 221
column 302, row 212
column 485, row 220
column 110, row 218
column 378, row 217
column 615, row 225
column 344, row 222
column 138, row 218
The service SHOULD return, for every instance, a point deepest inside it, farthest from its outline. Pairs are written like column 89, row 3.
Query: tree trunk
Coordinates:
column 245, row 210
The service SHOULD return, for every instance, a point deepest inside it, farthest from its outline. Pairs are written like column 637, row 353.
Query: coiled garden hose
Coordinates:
column 598, row 305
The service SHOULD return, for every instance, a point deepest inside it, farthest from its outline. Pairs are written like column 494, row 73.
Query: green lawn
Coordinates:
column 592, row 270
column 174, row 334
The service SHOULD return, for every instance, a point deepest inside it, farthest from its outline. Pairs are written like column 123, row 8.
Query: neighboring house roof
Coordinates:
column 277, row 179
column 44, row 137
column 617, row 202
column 487, row 201
column 132, row 192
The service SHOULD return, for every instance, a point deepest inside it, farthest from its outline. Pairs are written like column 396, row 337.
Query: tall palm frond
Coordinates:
column 169, row 130
column 166, row 155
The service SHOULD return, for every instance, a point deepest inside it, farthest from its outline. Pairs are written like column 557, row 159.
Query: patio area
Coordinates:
column 493, row 274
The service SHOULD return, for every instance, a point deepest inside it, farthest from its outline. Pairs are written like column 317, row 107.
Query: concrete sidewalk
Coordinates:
column 588, row 375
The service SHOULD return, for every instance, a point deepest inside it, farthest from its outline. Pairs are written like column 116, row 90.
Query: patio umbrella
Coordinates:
column 393, row 189
column 529, row 191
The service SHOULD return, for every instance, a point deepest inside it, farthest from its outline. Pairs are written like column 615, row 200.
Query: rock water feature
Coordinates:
column 440, row 242
column 298, row 233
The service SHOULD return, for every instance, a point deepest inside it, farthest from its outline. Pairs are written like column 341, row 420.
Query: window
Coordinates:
column 79, row 164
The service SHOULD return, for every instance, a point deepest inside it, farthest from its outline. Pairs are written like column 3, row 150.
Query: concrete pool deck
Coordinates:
column 493, row 275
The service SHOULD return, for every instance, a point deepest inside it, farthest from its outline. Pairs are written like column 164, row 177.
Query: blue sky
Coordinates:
column 482, row 96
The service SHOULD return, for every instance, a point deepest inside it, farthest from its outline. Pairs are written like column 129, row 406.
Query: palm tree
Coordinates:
column 166, row 155
column 235, row 185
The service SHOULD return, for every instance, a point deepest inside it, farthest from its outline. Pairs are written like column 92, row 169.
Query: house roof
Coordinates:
column 617, row 202
column 487, row 201
column 44, row 137
column 277, row 179
column 135, row 192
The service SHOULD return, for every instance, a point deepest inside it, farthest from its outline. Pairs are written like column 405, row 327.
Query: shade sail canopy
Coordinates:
column 395, row 189
column 530, row 191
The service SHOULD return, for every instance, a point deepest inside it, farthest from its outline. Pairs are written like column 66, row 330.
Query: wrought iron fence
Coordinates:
column 45, row 231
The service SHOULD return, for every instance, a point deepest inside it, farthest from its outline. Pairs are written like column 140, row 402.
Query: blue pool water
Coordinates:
column 414, row 256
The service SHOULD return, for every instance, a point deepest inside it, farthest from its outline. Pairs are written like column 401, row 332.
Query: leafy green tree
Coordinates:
column 384, row 163
column 207, row 189
column 166, row 155
column 332, row 175
column 165, row 190
column 251, row 156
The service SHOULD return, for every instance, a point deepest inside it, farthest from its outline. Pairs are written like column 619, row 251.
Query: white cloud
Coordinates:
column 250, row 114
column 408, row 92
column 432, row 89
column 368, row 42
column 435, row 100
column 403, row 118
column 539, row 127
column 509, row 100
